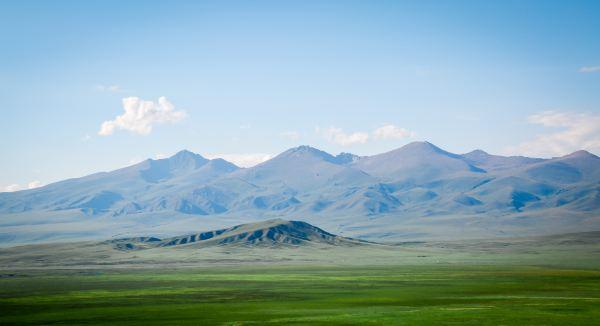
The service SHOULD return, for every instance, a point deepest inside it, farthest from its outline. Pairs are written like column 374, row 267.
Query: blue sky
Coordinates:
column 250, row 79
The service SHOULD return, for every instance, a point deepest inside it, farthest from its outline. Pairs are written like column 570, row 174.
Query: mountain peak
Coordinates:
column 186, row 157
column 477, row 152
column 223, row 165
column 580, row 154
column 346, row 158
column 304, row 151
column 418, row 160
column 419, row 147
column 184, row 153
column 304, row 148
column 479, row 156
column 420, row 144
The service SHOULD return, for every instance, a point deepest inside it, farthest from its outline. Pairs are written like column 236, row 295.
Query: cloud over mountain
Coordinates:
column 140, row 116
column 390, row 131
column 16, row 187
column 571, row 131
column 339, row 137
column 386, row 132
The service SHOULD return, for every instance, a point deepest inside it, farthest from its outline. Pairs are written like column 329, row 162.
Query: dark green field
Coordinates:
column 317, row 295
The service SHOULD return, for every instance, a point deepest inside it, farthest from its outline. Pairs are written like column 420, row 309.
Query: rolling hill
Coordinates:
column 271, row 233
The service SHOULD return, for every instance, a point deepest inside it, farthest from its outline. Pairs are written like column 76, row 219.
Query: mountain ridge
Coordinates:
column 397, row 190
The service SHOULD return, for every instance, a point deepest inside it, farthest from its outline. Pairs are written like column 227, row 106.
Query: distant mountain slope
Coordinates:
column 495, row 162
column 275, row 232
column 580, row 166
column 146, row 186
column 420, row 161
column 370, row 197
column 302, row 168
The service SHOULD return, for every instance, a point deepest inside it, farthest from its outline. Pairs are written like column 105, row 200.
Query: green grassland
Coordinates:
column 384, row 295
column 530, row 281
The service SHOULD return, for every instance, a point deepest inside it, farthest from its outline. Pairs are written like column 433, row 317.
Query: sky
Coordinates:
column 91, row 86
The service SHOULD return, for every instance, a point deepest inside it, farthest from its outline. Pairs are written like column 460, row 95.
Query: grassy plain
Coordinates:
column 383, row 295
column 545, row 281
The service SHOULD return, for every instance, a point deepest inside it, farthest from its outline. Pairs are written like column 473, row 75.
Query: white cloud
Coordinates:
column 243, row 160
column 16, row 187
column 160, row 156
column 385, row 132
column 291, row 135
column 86, row 138
column 589, row 69
column 390, row 131
column 140, row 116
column 339, row 137
column 572, row 132
column 12, row 187
column 34, row 184
column 108, row 88
column 134, row 161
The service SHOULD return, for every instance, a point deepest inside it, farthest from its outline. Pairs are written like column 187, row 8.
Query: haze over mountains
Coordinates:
column 414, row 192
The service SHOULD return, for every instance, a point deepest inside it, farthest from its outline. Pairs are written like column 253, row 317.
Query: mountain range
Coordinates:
column 418, row 191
